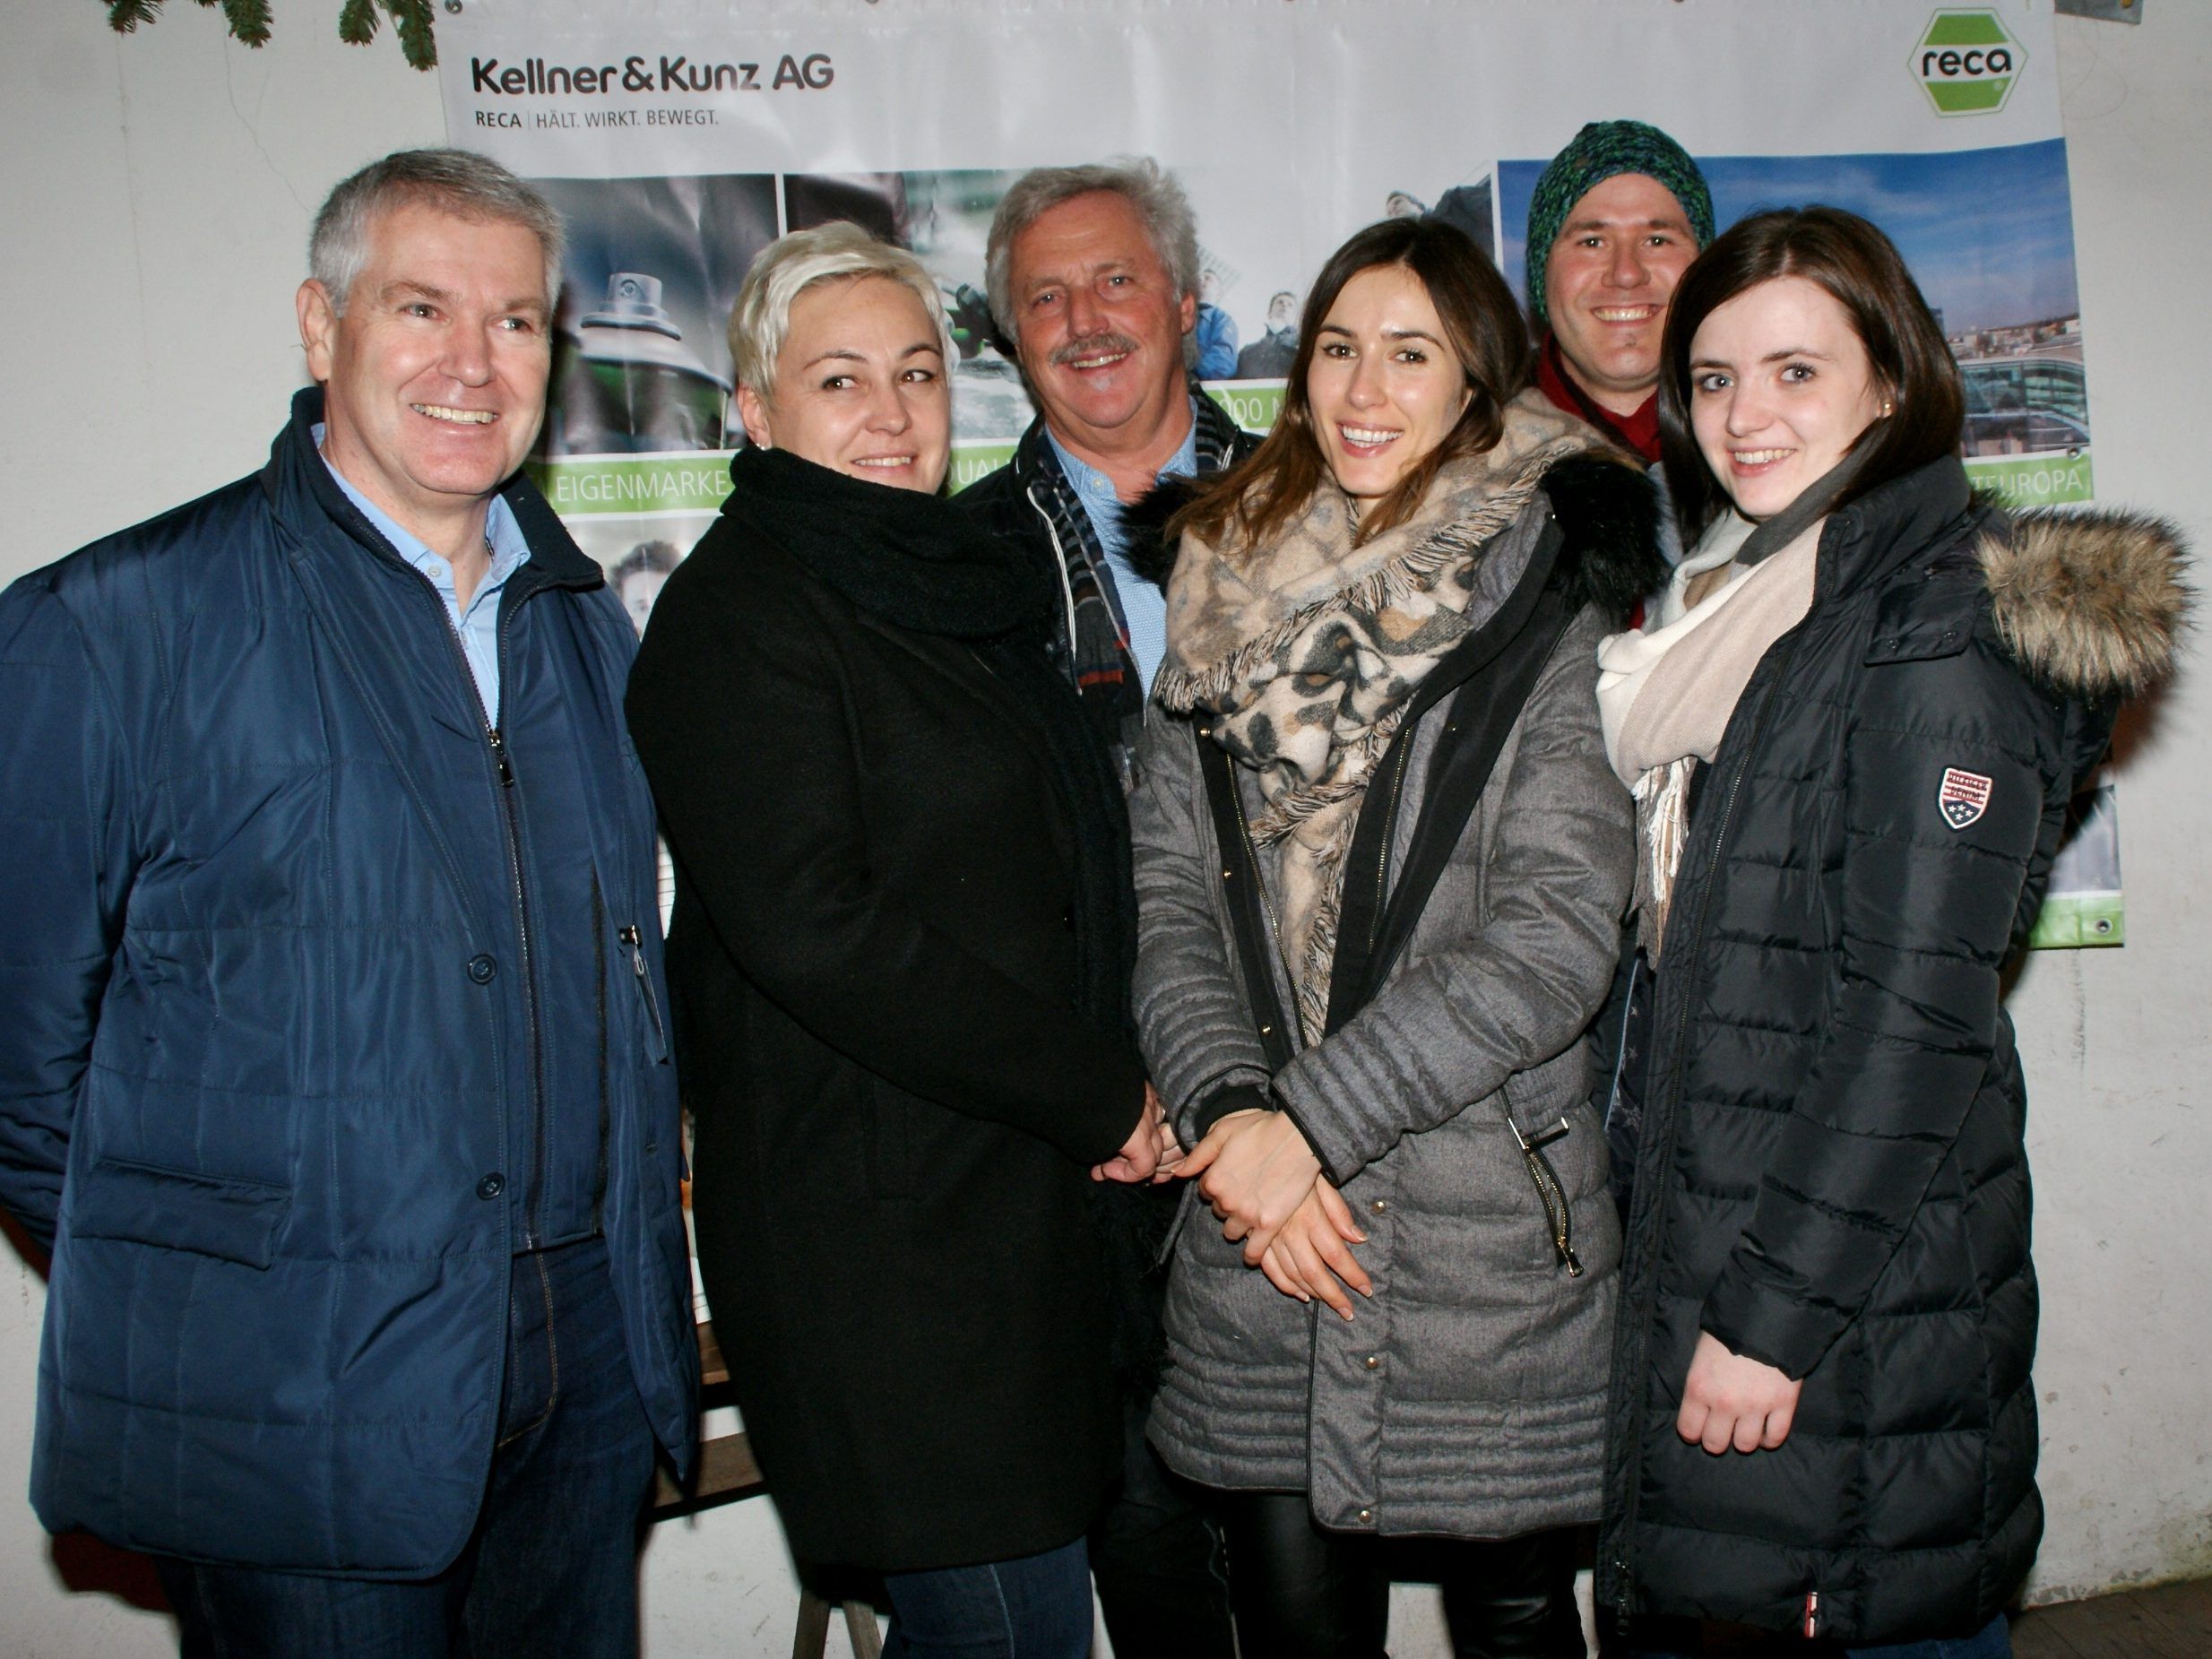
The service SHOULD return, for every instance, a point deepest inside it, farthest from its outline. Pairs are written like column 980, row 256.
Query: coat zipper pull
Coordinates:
column 631, row 935
column 1812, row 1614
column 499, row 753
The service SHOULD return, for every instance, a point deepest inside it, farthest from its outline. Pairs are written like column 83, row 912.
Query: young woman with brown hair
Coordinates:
column 1852, row 729
column 1381, row 864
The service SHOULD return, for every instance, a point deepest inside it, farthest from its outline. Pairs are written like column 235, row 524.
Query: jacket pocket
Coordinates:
column 641, row 975
column 235, row 1221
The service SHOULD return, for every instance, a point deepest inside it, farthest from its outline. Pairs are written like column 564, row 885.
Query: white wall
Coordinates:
column 2118, row 1043
column 155, row 196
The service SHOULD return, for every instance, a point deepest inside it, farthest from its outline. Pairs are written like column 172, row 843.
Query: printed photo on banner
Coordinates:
column 2082, row 907
column 654, row 265
column 634, row 451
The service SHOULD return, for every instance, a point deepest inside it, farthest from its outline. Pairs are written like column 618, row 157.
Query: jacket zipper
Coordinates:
column 1275, row 928
column 635, row 937
column 1558, row 1214
column 1059, row 562
column 1663, row 1154
column 599, row 997
column 1389, row 834
column 496, row 744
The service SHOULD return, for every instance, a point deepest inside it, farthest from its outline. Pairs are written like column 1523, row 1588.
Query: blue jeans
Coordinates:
column 1035, row 1607
column 1993, row 1640
column 552, row 1564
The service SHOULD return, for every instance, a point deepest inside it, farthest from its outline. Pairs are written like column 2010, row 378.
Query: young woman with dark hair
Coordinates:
column 1380, row 864
column 1852, row 729
column 1923, row 406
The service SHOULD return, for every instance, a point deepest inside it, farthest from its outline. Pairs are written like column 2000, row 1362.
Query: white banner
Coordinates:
column 678, row 138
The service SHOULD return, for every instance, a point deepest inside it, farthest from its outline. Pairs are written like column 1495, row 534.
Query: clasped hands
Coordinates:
column 1258, row 1175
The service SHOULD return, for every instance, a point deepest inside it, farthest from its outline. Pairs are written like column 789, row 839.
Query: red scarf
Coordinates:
column 1638, row 432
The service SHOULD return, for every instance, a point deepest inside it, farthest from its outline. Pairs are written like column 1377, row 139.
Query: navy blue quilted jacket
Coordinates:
column 291, row 982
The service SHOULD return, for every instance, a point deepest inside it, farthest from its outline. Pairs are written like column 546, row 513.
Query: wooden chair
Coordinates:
column 727, row 1470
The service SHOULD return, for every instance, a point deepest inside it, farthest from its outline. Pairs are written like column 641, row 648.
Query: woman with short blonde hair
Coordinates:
column 900, row 958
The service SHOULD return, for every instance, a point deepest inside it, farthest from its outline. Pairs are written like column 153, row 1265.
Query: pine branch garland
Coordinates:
column 124, row 15
column 414, row 23
column 356, row 21
column 249, row 20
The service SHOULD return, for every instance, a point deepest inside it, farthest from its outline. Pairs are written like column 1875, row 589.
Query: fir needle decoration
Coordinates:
column 249, row 20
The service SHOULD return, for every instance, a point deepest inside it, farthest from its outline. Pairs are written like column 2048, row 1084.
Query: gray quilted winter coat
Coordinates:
column 1467, row 1397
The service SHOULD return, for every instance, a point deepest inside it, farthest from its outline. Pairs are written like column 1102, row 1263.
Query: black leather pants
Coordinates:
column 1300, row 1592
column 1152, row 1559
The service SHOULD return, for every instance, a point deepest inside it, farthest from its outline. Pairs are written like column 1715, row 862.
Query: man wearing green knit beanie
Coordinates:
column 1616, row 219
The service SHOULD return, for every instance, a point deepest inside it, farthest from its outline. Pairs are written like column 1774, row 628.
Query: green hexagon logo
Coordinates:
column 1968, row 61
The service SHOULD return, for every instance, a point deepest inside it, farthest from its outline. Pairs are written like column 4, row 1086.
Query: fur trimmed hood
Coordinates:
column 2091, row 603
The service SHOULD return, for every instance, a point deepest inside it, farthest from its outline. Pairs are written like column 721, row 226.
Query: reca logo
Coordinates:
column 1968, row 61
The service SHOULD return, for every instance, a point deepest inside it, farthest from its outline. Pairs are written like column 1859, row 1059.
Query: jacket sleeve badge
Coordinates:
column 1963, row 797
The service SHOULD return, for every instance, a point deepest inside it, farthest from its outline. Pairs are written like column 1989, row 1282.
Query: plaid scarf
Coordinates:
column 1090, row 643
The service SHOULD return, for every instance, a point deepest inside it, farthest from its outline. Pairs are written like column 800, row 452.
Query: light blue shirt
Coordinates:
column 478, row 626
column 1140, row 607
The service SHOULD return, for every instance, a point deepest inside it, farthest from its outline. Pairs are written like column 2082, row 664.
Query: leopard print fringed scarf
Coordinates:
column 1306, row 653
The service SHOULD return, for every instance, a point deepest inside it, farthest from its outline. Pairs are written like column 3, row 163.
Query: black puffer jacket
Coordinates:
column 1831, row 1177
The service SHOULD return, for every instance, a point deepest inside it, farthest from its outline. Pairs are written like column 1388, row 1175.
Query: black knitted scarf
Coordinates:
column 912, row 560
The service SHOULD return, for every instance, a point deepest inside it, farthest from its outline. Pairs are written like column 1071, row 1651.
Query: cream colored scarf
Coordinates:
column 1308, row 650
column 1665, row 693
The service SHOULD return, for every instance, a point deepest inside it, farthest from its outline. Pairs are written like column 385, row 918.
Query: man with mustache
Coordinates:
column 1094, row 279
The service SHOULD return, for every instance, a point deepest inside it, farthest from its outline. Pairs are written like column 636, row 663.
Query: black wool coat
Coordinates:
column 1831, row 1176
column 875, row 970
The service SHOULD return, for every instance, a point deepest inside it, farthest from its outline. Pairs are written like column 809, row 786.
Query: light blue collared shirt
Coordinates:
column 478, row 626
column 1140, row 607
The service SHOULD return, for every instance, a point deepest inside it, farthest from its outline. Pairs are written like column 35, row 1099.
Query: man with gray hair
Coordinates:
column 331, row 1065
column 1093, row 278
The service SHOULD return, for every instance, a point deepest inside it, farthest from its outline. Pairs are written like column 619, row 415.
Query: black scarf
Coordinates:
column 897, row 554
column 912, row 560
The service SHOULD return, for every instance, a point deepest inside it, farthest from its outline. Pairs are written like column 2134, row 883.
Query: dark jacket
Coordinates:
column 1029, row 505
column 1467, row 1397
column 875, row 955
column 1831, row 1176
column 279, row 1021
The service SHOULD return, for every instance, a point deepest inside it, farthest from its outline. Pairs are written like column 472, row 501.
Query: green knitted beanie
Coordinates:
column 1599, row 151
